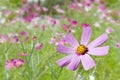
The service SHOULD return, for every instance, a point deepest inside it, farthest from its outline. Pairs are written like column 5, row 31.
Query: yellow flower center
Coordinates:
column 81, row 50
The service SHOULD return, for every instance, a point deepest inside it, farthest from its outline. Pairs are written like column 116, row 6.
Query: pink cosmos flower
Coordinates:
column 25, row 35
column 38, row 46
column 74, row 23
column 58, row 9
column 18, row 62
column 43, row 27
column 56, row 39
column 3, row 38
column 15, row 40
column 72, row 6
column 14, row 63
column 23, row 54
column 109, row 30
column 117, row 45
column 9, row 64
column 66, row 27
column 34, row 38
column 97, row 24
column 81, row 52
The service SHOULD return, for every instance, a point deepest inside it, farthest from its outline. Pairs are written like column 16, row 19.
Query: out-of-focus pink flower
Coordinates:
column 101, row 8
column 88, row 6
column 14, row 63
column 4, row 38
column 13, row 37
column 15, row 40
column 72, row 6
column 62, row 17
column 9, row 64
column 23, row 54
column 56, row 6
column 38, row 46
column 54, row 22
column 66, row 27
column 97, row 24
column 43, row 27
column 74, row 23
column 85, row 25
column 58, row 9
column 24, row 34
column 109, row 30
column 34, row 38
column 56, row 39
column 18, row 62
column 117, row 45
column 52, row 41
column 44, row 9
column 62, row 42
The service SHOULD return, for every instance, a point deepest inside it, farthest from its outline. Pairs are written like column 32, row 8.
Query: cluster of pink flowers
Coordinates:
column 70, row 25
column 38, row 46
column 31, row 10
column 14, row 63
column 57, row 39
column 58, row 9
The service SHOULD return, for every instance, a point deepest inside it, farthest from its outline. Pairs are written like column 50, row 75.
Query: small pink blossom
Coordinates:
column 54, row 22
column 18, row 62
column 74, row 23
column 38, row 46
column 117, row 45
column 14, row 63
column 34, row 38
column 15, row 40
column 97, row 24
column 4, row 38
column 23, row 54
column 58, row 9
column 109, row 30
column 66, row 27
column 24, row 35
column 72, row 6
column 85, row 25
column 9, row 64
column 43, row 27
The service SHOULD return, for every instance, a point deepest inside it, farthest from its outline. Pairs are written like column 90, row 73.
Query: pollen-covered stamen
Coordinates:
column 81, row 50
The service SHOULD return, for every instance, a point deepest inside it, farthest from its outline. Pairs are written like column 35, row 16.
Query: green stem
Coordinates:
column 30, row 58
column 6, row 56
column 22, row 46
column 59, row 73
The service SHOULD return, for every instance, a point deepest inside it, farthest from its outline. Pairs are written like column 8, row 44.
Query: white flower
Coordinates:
column 92, row 77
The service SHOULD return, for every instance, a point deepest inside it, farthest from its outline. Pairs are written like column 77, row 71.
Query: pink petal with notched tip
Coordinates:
column 64, row 61
column 87, row 62
column 86, row 34
column 74, row 63
column 71, row 40
column 64, row 49
column 99, row 41
column 99, row 51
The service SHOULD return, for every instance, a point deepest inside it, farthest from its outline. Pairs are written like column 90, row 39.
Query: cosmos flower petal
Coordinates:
column 74, row 63
column 99, row 51
column 86, row 34
column 99, row 41
column 87, row 62
column 64, row 49
column 64, row 61
column 71, row 40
